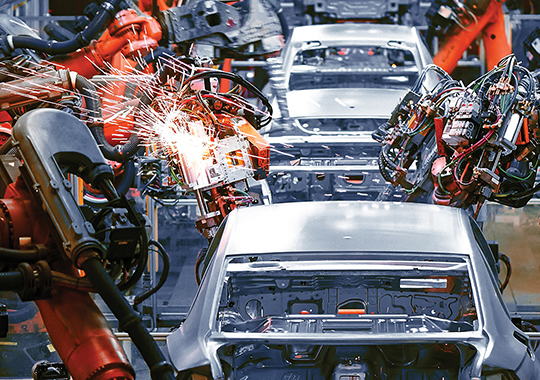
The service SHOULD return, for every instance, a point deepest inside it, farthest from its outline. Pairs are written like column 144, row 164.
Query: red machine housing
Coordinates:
column 490, row 26
column 77, row 328
column 128, row 34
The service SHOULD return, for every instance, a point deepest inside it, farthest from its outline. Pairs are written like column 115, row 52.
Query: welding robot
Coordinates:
column 249, row 27
column 48, row 239
column 131, row 44
column 44, row 229
column 461, row 145
column 46, row 103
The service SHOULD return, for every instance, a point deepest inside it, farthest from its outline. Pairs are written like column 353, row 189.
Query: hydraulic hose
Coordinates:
column 90, row 96
column 160, row 54
column 82, row 38
column 235, row 78
column 11, row 281
column 128, row 320
column 127, row 178
column 166, row 267
column 113, row 153
column 20, row 255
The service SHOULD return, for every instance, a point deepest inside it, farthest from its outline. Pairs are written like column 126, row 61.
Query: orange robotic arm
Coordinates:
column 128, row 34
column 490, row 26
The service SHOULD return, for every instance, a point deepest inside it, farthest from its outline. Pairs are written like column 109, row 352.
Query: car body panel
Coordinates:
column 348, row 231
column 351, row 102
column 355, row 34
column 348, row 167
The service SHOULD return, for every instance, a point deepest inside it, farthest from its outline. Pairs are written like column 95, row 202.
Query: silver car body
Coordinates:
column 336, row 158
column 355, row 34
column 355, row 244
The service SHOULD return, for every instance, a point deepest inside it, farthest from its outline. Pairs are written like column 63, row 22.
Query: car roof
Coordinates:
column 347, row 227
column 355, row 33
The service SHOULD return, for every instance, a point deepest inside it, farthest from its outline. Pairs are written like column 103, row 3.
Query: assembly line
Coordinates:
column 214, row 190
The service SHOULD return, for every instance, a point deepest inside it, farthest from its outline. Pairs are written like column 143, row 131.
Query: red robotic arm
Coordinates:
column 490, row 26
column 41, row 214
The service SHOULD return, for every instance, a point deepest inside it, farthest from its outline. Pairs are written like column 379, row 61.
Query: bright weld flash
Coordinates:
column 187, row 143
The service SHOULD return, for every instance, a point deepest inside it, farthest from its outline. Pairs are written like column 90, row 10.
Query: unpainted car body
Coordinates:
column 363, row 290
column 339, row 83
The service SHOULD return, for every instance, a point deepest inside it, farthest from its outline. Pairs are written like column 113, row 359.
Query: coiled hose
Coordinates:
column 385, row 165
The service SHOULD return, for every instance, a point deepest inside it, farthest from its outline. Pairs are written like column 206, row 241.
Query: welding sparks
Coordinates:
column 176, row 135
column 203, row 135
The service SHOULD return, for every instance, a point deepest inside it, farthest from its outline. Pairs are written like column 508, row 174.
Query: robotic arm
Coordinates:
column 53, row 146
column 458, row 24
column 479, row 142
column 246, row 28
column 39, row 209
column 209, row 139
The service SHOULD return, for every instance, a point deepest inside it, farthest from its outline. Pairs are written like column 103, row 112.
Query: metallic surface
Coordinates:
column 355, row 34
column 350, row 230
column 344, row 150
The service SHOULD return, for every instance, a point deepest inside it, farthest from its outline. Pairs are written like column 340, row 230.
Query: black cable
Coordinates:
column 82, row 39
column 383, row 167
column 159, row 55
column 22, row 255
column 164, row 274
column 142, row 259
column 514, row 95
column 126, row 181
column 506, row 260
column 101, row 214
column 517, row 196
column 238, row 80
column 127, row 177
column 89, row 93
column 11, row 281
column 531, row 84
column 141, row 263
column 128, row 320
column 418, row 84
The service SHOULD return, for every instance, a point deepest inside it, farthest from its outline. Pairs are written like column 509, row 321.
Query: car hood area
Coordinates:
column 351, row 102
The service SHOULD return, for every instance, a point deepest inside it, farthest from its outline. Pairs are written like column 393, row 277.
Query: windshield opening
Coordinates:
column 353, row 67
column 428, row 296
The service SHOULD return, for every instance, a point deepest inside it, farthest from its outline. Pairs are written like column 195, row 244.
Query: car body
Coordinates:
column 363, row 290
column 336, row 84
